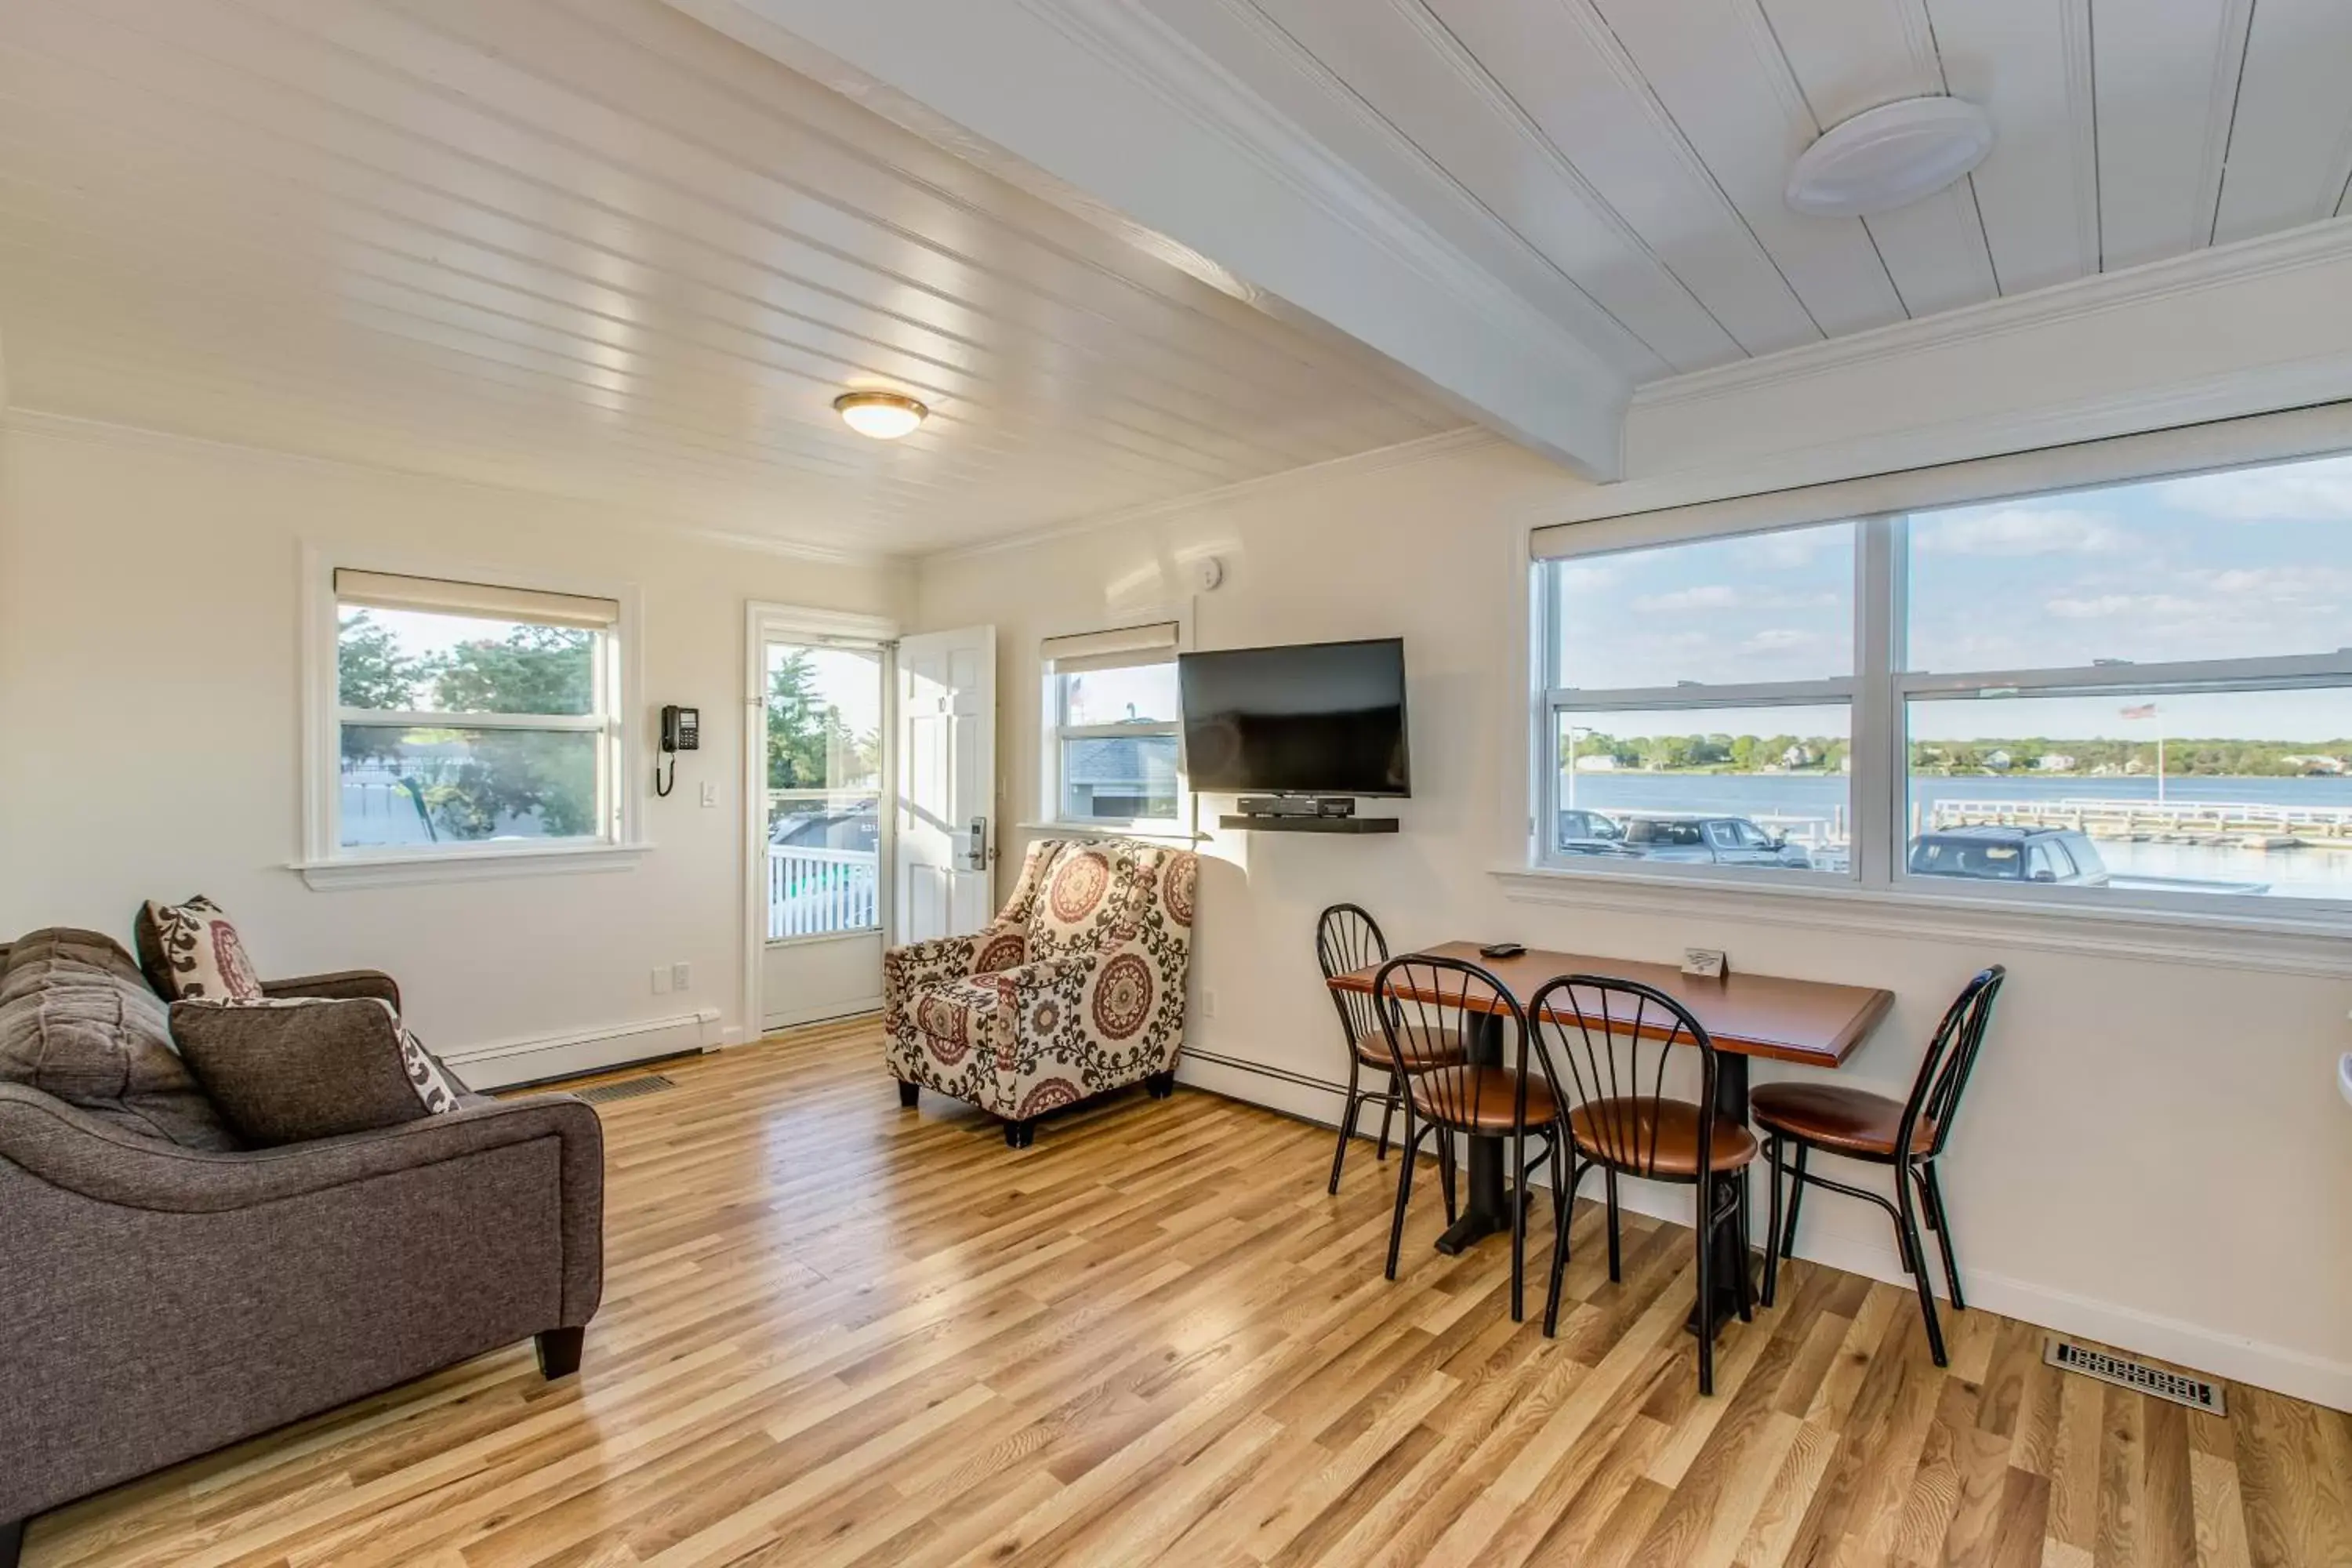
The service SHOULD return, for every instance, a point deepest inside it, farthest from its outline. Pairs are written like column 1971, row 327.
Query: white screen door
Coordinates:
column 946, row 772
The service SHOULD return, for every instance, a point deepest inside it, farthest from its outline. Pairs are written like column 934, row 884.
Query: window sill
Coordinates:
column 467, row 864
column 1112, row 830
column 2284, row 945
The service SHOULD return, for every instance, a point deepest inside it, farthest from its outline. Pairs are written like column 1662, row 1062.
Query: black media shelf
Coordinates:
column 1309, row 823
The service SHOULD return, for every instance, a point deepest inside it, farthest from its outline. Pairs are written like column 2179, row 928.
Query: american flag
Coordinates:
column 2145, row 711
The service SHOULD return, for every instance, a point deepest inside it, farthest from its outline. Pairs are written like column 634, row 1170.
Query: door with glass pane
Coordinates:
column 823, row 848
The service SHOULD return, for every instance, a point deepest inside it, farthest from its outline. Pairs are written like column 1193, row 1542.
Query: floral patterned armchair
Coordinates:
column 1076, row 989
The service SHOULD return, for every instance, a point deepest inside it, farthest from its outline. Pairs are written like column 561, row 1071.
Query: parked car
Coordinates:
column 1712, row 840
column 2061, row 855
column 1589, row 833
column 854, row 828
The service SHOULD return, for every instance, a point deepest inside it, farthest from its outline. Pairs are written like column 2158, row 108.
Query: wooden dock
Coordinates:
column 2243, row 824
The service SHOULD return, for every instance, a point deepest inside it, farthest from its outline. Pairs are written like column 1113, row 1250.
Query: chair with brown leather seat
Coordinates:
column 1348, row 939
column 1869, row 1127
column 1429, row 1005
column 1604, row 1045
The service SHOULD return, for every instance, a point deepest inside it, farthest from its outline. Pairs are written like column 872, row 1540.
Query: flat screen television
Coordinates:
column 1308, row 719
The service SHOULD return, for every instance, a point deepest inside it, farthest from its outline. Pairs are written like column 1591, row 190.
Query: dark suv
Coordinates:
column 2053, row 854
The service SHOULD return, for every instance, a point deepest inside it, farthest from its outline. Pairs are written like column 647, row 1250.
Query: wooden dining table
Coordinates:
column 1812, row 1022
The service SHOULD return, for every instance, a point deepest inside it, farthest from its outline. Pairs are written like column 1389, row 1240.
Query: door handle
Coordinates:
column 975, row 854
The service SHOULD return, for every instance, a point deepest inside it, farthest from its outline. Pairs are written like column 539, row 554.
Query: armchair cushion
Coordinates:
column 191, row 950
column 286, row 1071
column 77, row 1021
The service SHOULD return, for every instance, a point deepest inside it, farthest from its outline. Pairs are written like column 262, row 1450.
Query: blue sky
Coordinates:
column 2255, row 561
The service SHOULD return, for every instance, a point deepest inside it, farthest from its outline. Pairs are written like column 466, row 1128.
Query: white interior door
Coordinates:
column 946, row 776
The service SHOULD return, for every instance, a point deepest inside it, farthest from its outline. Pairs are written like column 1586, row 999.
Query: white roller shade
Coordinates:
column 389, row 591
column 1151, row 644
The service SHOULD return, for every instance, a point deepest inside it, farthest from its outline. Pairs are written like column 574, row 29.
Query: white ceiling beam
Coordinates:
column 1106, row 99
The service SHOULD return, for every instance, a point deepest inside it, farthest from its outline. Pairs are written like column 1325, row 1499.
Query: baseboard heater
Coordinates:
column 1283, row 1074
column 509, row 1064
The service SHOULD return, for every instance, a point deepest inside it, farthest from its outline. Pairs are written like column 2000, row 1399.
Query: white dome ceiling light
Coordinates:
column 1889, row 157
column 885, row 415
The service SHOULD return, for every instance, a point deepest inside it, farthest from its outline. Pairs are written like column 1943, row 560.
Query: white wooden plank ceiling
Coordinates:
column 1639, row 148
column 593, row 247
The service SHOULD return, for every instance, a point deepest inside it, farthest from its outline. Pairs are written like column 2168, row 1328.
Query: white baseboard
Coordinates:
column 2191, row 1345
column 502, row 1064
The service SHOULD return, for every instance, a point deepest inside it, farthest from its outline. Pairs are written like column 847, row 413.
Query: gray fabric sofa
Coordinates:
column 165, row 1293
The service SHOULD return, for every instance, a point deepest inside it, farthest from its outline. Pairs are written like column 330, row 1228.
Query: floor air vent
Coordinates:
column 626, row 1089
column 2125, row 1373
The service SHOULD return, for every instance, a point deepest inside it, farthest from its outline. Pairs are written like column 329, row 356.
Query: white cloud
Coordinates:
column 2107, row 606
column 1782, row 639
column 2017, row 531
column 1704, row 596
column 2312, row 492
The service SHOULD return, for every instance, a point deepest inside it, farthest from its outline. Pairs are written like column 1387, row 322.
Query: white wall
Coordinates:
column 149, row 600
column 2151, row 1153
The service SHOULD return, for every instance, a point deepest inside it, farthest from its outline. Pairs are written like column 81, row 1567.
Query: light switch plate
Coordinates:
column 681, row 975
column 1705, row 963
column 710, row 794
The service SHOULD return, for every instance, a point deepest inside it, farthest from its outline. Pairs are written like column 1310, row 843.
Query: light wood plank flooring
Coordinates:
column 837, row 1333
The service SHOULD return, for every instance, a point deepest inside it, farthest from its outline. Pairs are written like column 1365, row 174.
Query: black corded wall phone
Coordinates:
column 681, row 730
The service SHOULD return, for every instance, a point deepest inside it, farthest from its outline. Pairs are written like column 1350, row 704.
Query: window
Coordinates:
column 469, row 716
column 825, row 788
column 2134, row 694
column 1112, row 710
column 1700, row 704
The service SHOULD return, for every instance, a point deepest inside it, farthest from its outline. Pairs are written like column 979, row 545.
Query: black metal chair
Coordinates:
column 1604, row 1043
column 1428, row 1004
column 1348, row 939
column 1869, row 1127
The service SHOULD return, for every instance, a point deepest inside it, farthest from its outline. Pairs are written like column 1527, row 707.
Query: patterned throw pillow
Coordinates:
column 434, row 1086
column 198, row 953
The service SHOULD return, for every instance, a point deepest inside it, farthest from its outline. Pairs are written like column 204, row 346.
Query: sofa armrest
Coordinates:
column 72, row 1151
column 342, row 985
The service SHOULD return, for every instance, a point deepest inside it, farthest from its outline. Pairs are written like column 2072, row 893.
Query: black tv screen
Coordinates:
column 1310, row 719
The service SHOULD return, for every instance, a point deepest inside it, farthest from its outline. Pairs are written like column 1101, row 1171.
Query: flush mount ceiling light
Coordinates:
column 885, row 415
column 1889, row 157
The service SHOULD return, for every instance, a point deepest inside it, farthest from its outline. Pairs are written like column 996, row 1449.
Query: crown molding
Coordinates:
column 1403, row 453
column 2322, row 243
column 80, row 427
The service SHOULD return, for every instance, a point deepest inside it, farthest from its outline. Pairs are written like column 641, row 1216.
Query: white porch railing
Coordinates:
column 817, row 892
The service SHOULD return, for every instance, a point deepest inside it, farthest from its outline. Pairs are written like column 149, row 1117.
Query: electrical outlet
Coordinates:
column 661, row 981
column 682, row 976
column 1208, row 1003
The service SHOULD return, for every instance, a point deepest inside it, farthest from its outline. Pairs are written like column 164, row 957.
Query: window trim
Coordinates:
column 323, row 863
column 1878, row 796
column 1051, row 732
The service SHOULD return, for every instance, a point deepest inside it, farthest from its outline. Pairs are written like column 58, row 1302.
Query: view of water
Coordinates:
column 2308, row 872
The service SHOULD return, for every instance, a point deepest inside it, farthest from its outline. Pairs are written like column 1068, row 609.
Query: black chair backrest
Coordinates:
column 1951, row 1056
column 1348, row 939
column 1427, row 1003
column 1604, row 1045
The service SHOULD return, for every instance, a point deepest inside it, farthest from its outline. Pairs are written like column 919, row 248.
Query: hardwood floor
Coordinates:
column 834, row 1332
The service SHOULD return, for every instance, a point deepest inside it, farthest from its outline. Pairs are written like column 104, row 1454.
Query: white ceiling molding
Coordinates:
column 2213, row 334
column 1112, row 100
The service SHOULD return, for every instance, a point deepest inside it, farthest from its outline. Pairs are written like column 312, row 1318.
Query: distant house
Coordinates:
column 2329, row 767
column 2053, row 762
column 2001, row 761
column 1120, row 777
column 1800, row 756
column 1596, row 763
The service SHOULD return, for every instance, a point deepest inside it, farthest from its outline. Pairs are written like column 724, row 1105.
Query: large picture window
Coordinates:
column 2134, row 694
column 468, row 715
